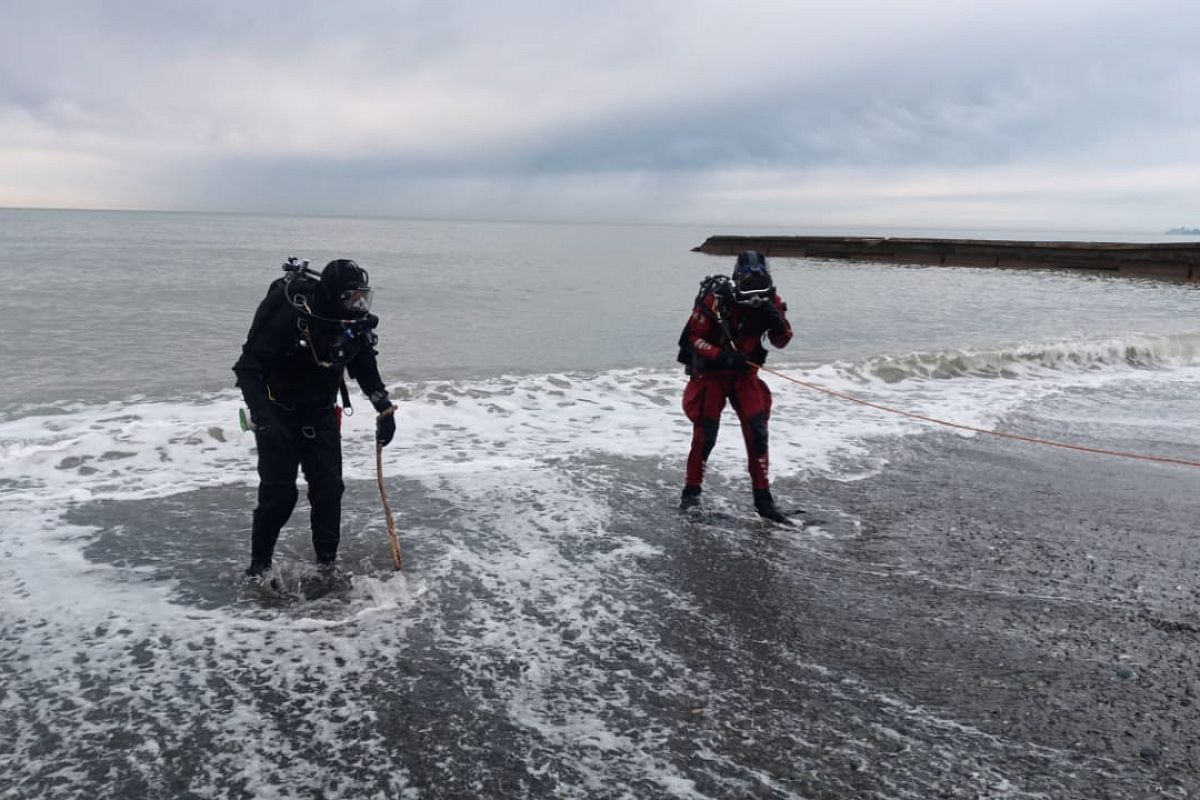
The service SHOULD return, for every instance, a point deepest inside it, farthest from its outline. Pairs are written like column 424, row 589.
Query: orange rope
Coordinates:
column 1002, row 434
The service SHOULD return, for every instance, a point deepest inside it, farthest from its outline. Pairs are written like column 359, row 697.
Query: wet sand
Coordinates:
column 1043, row 599
column 1007, row 622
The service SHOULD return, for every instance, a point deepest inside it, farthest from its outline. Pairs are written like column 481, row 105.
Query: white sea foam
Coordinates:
column 143, row 449
column 108, row 653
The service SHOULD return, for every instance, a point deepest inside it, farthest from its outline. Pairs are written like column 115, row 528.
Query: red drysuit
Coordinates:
column 716, row 339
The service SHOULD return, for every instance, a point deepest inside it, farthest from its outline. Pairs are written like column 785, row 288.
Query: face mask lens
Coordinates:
column 356, row 301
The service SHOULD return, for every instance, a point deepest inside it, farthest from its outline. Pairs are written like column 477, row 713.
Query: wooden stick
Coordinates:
column 397, row 555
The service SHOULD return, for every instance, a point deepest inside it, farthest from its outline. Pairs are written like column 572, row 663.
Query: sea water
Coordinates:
column 543, row 640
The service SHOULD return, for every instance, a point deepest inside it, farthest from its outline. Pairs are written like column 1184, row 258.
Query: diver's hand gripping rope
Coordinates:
column 1018, row 437
column 393, row 540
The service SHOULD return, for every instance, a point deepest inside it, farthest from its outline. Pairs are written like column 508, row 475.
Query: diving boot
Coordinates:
column 329, row 578
column 261, row 574
column 690, row 498
column 764, row 504
column 327, row 568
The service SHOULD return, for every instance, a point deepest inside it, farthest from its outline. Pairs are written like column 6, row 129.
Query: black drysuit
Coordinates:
column 289, row 372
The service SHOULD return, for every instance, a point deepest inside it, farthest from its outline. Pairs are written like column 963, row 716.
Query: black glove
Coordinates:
column 385, row 427
column 775, row 323
column 385, row 423
column 263, row 416
column 730, row 359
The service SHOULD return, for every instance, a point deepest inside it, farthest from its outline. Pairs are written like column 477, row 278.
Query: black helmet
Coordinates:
column 752, row 284
column 345, row 289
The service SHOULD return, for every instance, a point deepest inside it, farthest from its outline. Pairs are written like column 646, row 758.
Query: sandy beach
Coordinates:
column 1043, row 598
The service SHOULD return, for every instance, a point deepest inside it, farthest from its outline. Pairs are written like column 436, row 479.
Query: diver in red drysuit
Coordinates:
column 722, row 346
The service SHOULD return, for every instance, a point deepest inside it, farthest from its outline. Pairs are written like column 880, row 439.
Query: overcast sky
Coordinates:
column 975, row 113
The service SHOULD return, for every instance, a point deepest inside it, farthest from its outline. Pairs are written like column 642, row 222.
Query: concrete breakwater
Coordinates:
column 1172, row 261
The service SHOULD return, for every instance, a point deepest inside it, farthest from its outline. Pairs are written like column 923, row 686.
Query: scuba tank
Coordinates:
column 722, row 288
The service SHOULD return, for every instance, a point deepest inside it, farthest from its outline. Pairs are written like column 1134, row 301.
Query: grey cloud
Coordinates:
column 312, row 105
column 1006, row 116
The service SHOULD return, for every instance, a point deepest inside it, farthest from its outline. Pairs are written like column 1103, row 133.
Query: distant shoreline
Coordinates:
column 1178, row 261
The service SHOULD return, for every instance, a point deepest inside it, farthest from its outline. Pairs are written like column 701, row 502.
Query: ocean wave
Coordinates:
column 1073, row 356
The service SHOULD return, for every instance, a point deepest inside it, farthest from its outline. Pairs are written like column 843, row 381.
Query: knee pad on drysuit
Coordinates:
column 756, row 433
column 708, row 432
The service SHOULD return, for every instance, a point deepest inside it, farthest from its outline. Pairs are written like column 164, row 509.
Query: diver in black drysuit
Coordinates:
column 304, row 335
